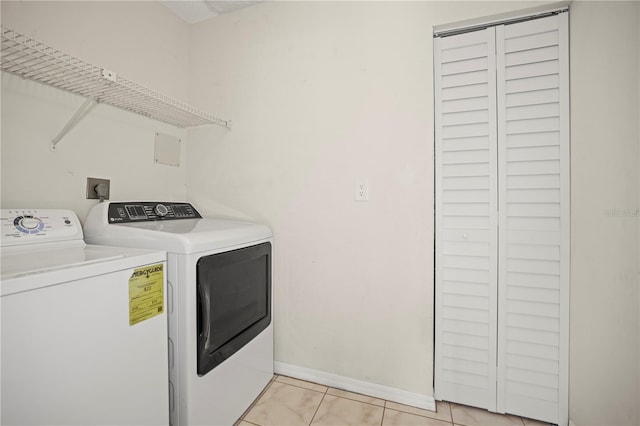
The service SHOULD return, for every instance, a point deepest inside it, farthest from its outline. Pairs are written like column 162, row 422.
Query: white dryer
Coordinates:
column 84, row 328
column 219, row 282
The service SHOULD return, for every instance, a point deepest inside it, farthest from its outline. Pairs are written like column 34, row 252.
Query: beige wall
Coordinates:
column 322, row 94
column 604, row 375
column 141, row 41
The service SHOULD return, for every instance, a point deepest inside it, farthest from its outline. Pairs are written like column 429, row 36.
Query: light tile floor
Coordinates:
column 292, row 402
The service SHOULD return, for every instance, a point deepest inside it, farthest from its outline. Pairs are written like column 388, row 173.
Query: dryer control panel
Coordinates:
column 30, row 226
column 147, row 211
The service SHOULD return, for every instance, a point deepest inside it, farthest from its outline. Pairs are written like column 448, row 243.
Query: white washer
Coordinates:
column 79, row 344
column 220, row 328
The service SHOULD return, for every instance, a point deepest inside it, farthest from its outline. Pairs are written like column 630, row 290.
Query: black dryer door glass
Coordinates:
column 233, row 300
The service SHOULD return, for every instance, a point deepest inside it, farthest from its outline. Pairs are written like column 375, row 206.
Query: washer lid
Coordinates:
column 41, row 265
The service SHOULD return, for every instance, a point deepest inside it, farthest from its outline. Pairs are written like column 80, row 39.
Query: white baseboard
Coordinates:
column 400, row 396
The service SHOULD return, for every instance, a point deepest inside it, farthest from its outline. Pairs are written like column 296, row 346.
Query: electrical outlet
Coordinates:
column 362, row 190
column 91, row 188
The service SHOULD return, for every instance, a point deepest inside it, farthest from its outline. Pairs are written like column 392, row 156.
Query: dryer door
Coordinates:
column 234, row 302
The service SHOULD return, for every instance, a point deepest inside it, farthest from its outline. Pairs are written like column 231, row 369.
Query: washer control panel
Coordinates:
column 27, row 226
column 147, row 211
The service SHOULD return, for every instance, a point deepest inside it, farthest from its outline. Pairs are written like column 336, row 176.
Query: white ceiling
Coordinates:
column 193, row 11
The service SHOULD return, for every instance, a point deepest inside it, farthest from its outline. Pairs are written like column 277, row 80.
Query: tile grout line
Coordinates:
column 318, row 407
column 302, row 387
column 357, row 400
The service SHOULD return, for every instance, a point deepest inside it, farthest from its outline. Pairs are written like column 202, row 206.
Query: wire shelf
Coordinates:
column 31, row 59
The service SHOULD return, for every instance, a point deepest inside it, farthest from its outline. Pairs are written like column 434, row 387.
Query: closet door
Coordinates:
column 533, row 168
column 502, row 218
column 466, row 218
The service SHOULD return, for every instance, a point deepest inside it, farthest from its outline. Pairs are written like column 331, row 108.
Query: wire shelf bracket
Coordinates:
column 30, row 59
column 84, row 108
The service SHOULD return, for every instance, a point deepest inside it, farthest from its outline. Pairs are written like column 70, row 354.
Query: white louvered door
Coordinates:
column 533, row 162
column 522, row 260
column 466, row 221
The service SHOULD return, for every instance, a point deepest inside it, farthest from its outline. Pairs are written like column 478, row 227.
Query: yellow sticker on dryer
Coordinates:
column 146, row 293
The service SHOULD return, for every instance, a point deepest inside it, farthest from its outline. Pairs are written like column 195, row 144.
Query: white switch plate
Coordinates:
column 362, row 190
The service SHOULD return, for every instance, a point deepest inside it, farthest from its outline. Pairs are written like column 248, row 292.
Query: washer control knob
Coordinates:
column 30, row 222
column 161, row 210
